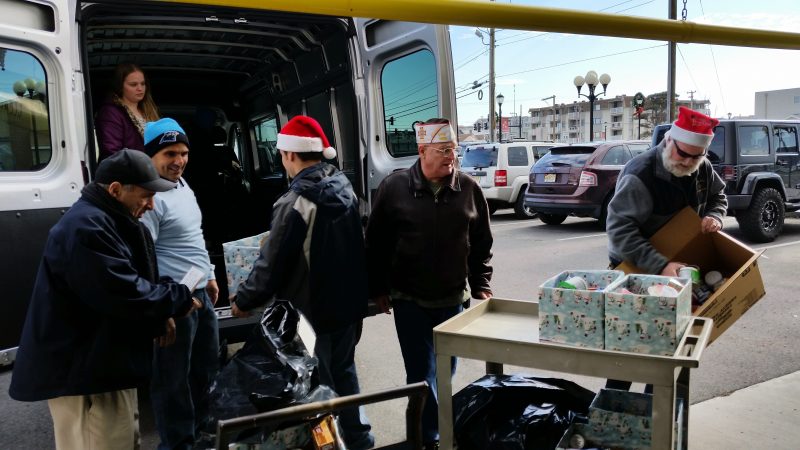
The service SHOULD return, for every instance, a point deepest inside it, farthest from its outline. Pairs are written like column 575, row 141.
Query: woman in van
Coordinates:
column 120, row 120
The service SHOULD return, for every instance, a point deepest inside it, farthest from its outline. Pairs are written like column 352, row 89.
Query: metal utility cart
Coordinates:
column 227, row 430
column 502, row 331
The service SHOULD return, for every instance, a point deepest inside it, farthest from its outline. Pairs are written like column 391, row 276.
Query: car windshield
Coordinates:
column 566, row 156
column 480, row 156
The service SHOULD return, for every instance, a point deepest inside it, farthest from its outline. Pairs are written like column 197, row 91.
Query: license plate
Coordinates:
column 549, row 178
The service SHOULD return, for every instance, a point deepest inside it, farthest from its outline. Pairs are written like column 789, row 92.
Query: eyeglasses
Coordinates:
column 446, row 151
column 685, row 155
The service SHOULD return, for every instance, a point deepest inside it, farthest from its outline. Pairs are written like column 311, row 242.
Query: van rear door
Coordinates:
column 408, row 66
column 40, row 160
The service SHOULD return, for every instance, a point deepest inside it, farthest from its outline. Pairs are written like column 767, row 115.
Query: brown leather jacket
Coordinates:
column 428, row 246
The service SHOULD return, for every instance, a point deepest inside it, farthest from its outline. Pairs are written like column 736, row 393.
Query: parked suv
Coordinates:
column 578, row 179
column 760, row 163
column 502, row 169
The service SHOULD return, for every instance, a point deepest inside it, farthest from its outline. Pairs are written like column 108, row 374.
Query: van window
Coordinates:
column 269, row 160
column 753, row 140
column 24, row 119
column 410, row 94
column 517, row 156
column 785, row 139
column 480, row 156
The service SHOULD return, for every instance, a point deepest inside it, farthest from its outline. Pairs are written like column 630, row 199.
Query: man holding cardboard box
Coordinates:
column 657, row 184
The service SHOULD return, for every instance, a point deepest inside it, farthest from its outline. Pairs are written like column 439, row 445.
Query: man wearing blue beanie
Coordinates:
column 182, row 371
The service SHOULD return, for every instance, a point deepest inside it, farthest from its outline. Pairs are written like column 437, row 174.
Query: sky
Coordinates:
column 533, row 65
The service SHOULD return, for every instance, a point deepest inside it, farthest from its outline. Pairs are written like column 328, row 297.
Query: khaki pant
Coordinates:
column 106, row 421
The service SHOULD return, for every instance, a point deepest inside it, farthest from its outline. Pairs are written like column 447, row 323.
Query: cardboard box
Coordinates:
column 622, row 420
column 637, row 321
column 239, row 258
column 575, row 316
column 681, row 240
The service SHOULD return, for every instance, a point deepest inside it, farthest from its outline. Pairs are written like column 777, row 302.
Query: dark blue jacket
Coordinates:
column 95, row 307
column 314, row 255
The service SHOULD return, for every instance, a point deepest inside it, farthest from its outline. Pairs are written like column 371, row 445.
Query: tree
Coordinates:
column 656, row 105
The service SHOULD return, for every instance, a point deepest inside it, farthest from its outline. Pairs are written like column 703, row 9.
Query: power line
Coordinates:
column 714, row 60
column 582, row 60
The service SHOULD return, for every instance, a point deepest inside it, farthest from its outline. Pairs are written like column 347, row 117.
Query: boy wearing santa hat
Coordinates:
column 657, row 184
column 314, row 257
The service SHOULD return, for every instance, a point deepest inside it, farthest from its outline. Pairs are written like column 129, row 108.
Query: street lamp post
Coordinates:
column 592, row 80
column 500, row 98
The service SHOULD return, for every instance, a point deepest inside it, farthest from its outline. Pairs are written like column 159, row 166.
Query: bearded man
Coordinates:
column 657, row 184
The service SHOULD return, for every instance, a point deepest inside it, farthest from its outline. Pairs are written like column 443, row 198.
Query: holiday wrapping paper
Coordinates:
column 239, row 258
column 620, row 419
column 575, row 316
column 636, row 321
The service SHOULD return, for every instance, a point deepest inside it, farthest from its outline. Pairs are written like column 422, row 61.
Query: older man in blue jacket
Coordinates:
column 96, row 306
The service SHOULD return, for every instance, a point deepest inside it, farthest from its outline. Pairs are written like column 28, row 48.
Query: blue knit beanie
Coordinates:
column 162, row 133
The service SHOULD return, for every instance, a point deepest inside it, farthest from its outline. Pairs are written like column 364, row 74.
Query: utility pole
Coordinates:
column 520, row 121
column 492, row 118
column 691, row 99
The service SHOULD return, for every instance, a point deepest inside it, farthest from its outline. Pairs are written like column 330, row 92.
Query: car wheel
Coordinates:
column 763, row 221
column 552, row 219
column 520, row 210
column 492, row 208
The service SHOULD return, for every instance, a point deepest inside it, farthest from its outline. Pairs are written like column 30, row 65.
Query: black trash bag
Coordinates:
column 296, row 433
column 514, row 412
column 272, row 370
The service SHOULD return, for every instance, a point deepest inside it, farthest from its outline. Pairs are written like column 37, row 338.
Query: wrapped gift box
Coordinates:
column 638, row 321
column 575, row 316
column 620, row 419
column 240, row 256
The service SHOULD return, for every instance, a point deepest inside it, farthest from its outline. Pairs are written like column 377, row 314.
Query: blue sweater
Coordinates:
column 175, row 224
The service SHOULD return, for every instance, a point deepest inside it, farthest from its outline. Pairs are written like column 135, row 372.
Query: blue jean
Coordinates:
column 415, row 332
column 337, row 369
column 182, row 373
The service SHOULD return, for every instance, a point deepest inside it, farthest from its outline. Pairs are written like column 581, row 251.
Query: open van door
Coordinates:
column 40, row 160
column 408, row 71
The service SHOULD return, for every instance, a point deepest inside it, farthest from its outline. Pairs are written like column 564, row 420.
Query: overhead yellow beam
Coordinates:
column 535, row 18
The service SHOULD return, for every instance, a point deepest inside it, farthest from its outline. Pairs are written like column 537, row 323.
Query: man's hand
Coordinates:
column 383, row 303
column 169, row 337
column 672, row 268
column 710, row 225
column 483, row 295
column 212, row 289
column 196, row 304
column 236, row 312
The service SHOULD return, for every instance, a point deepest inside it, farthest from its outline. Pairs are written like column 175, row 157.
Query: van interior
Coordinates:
column 230, row 77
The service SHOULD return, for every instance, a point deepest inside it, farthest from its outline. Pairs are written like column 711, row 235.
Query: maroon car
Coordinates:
column 578, row 179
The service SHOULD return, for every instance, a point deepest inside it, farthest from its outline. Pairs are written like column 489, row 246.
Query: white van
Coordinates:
column 366, row 81
column 502, row 171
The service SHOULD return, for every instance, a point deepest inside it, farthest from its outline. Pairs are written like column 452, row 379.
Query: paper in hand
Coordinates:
column 192, row 278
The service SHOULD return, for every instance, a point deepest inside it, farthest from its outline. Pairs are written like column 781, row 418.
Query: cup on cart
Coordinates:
column 690, row 272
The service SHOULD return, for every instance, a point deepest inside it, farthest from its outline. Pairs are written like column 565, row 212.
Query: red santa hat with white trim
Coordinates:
column 693, row 128
column 304, row 134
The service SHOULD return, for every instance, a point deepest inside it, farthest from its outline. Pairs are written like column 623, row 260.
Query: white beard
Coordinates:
column 676, row 168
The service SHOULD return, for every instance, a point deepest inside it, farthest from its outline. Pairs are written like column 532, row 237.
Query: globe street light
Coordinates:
column 500, row 98
column 592, row 80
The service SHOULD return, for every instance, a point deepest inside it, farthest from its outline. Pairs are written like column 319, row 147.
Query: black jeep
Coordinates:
column 760, row 163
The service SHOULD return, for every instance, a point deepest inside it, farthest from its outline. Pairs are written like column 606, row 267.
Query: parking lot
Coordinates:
column 760, row 346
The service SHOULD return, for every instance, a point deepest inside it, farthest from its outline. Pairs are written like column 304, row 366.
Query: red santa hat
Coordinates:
column 693, row 128
column 304, row 134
